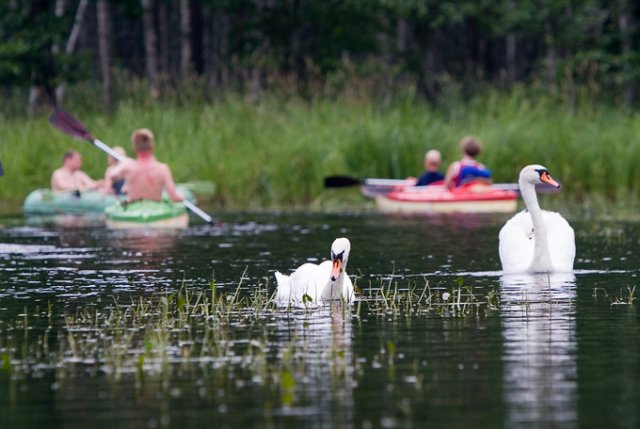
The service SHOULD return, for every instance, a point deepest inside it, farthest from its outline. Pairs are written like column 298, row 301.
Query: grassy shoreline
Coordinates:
column 276, row 153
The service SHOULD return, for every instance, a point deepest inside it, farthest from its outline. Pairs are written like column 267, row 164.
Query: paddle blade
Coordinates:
column 69, row 125
column 340, row 181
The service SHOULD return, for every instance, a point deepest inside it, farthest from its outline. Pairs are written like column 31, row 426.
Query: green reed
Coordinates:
column 460, row 300
column 277, row 152
column 147, row 336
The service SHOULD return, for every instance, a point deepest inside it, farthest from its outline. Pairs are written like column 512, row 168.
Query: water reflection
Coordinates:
column 66, row 220
column 316, row 350
column 145, row 243
column 539, row 334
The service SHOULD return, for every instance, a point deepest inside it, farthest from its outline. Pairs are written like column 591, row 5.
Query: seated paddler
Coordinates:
column 145, row 177
column 70, row 177
column 468, row 170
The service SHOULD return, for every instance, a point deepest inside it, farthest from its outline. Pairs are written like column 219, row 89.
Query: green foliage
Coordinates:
column 32, row 45
column 277, row 153
column 432, row 46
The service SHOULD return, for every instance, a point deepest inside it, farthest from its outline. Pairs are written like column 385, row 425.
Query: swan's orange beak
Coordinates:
column 544, row 176
column 336, row 269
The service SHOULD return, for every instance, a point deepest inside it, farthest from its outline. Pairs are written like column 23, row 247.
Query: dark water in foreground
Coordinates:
column 560, row 351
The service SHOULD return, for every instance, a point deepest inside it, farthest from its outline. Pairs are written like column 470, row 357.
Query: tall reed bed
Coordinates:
column 276, row 153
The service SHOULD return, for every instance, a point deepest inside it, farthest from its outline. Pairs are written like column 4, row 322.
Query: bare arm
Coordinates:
column 57, row 182
column 452, row 172
column 170, row 185
column 117, row 171
column 85, row 181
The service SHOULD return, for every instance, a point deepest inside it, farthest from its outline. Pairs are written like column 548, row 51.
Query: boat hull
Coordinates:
column 440, row 200
column 147, row 214
column 47, row 202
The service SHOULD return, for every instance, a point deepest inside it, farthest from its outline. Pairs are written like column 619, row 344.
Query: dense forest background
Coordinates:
column 310, row 48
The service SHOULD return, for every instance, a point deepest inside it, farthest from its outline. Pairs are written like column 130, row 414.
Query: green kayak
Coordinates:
column 47, row 202
column 146, row 213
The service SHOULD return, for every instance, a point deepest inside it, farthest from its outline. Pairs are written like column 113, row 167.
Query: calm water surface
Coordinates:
column 560, row 351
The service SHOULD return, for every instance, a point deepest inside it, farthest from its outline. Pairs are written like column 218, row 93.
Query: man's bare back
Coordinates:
column 145, row 178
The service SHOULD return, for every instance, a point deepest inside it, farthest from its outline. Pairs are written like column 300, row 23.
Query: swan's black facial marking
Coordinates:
column 546, row 178
column 542, row 172
column 337, row 264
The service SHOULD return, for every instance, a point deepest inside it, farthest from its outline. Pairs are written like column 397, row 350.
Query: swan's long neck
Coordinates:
column 541, row 258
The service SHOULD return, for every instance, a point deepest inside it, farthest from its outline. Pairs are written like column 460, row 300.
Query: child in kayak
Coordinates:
column 431, row 175
column 468, row 170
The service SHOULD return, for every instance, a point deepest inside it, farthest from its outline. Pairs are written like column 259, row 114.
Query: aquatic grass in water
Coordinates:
column 388, row 300
column 146, row 336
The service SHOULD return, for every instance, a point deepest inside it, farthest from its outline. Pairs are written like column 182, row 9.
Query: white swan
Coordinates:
column 313, row 284
column 535, row 240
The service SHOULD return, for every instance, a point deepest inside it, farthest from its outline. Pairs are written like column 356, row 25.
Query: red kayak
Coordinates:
column 470, row 198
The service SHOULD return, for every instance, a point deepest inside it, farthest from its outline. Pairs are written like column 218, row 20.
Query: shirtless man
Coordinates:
column 145, row 177
column 69, row 177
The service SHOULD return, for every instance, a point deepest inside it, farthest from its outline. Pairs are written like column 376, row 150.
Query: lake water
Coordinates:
column 535, row 352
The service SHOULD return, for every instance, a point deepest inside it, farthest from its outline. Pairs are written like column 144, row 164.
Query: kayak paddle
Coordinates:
column 381, row 185
column 73, row 127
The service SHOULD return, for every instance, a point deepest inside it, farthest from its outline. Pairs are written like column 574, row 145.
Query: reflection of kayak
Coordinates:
column 47, row 202
column 146, row 213
column 472, row 198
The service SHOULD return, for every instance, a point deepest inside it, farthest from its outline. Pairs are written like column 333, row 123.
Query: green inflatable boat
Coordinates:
column 147, row 214
column 47, row 202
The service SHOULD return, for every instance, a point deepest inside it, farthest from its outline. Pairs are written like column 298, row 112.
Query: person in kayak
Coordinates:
column 431, row 175
column 113, row 187
column 70, row 177
column 468, row 169
column 145, row 177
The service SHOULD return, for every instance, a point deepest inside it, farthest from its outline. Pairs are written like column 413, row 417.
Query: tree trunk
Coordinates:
column 625, row 26
column 221, row 28
column 72, row 42
column 568, row 69
column 185, row 39
column 209, row 48
column 429, row 70
column 104, row 48
column 39, row 87
column 151, row 51
column 511, row 59
column 550, row 56
column 165, row 47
